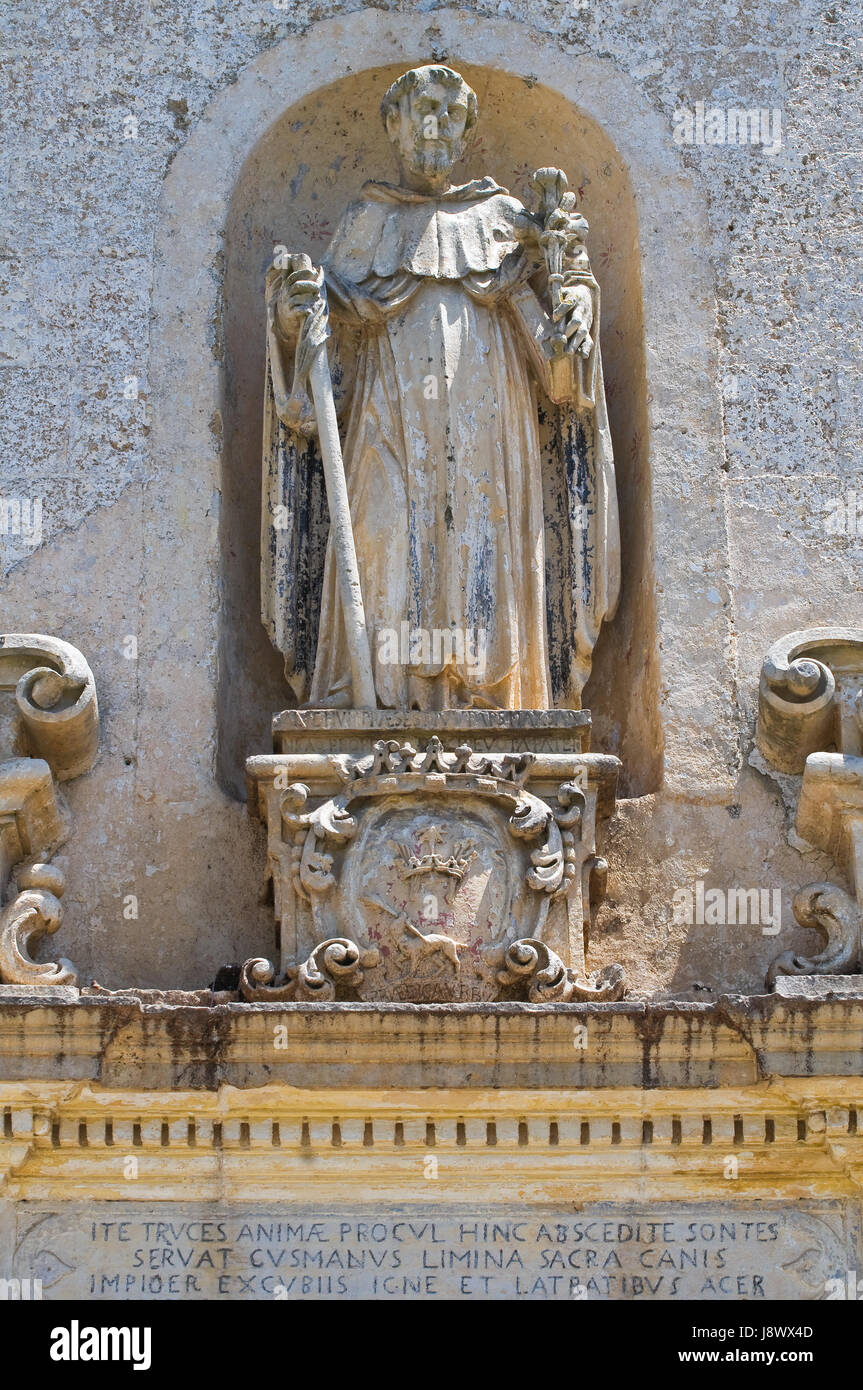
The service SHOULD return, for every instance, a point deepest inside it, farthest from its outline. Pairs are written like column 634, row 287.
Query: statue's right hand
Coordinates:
column 300, row 290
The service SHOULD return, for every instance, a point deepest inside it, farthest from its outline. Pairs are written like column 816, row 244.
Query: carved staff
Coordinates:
column 311, row 365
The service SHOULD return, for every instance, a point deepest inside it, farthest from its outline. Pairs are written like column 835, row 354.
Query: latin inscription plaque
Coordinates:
column 115, row 1250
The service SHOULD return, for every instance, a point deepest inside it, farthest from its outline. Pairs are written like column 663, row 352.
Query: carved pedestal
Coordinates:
column 445, row 857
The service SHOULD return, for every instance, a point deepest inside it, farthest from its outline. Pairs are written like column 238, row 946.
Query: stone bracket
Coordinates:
column 49, row 733
column 809, row 697
column 811, row 702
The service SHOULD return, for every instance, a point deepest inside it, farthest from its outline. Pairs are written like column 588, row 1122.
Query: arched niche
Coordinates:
column 663, row 673
column 292, row 189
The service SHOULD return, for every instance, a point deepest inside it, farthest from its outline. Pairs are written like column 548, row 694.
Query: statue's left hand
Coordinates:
column 574, row 318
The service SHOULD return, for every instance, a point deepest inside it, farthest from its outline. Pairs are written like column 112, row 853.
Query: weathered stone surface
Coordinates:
column 470, row 559
column 709, row 1251
column 820, row 986
column 432, row 873
column 139, row 1040
column 132, row 486
column 152, row 176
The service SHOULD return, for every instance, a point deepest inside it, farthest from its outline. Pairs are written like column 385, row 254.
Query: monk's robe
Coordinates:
column 445, row 465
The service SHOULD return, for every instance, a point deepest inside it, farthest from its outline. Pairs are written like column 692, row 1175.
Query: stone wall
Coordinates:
column 127, row 132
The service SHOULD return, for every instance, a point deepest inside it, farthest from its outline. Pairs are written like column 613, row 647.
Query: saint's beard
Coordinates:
column 429, row 158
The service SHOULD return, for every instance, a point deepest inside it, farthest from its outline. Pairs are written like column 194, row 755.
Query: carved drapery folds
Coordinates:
column 473, row 552
column 430, row 874
column 49, row 733
column 810, row 720
column 518, row 589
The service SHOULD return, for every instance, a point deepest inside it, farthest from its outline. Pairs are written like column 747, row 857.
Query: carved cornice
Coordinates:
column 139, row 1040
column 59, row 1142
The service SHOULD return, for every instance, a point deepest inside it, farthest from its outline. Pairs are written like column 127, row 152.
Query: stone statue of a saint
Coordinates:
column 465, row 361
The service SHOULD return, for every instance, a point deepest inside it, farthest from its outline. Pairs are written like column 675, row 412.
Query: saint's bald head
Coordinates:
column 428, row 112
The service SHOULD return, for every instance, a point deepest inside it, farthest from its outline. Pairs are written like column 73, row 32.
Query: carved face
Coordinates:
column 428, row 128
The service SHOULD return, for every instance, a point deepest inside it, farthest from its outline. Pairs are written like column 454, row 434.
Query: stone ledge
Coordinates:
column 66, row 1141
column 820, row 986
column 561, row 730
column 138, row 1039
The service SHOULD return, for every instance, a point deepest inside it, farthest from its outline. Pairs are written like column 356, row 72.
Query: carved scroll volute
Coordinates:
column 545, row 979
column 839, row 919
column 338, row 962
column 810, row 720
column 56, row 699
column 49, row 712
column 809, row 697
column 35, row 912
column 61, row 717
column 796, row 708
